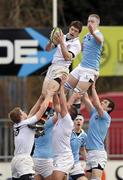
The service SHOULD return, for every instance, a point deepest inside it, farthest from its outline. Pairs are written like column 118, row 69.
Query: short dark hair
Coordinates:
column 15, row 115
column 111, row 105
column 73, row 112
column 77, row 24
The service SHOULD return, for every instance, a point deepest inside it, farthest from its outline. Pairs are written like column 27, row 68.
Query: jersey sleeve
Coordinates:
column 29, row 121
column 75, row 48
column 93, row 110
column 99, row 34
column 107, row 118
column 68, row 122
column 83, row 139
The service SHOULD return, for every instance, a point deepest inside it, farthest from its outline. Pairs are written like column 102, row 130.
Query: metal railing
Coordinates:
column 6, row 140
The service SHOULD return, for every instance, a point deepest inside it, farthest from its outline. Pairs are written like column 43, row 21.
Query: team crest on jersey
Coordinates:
column 16, row 131
column 55, row 164
column 96, row 117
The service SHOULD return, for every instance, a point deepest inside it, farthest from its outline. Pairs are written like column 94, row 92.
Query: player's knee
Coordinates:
column 79, row 90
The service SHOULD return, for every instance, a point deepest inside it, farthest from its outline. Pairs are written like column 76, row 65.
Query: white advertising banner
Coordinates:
column 5, row 171
column 113, row 171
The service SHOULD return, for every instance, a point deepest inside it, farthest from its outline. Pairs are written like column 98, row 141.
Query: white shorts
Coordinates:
column 84, row 74
column 95, row 158
column 63, row 163
column 77, row 169
column 55, row 71
column 44, row 167
column 21, row 165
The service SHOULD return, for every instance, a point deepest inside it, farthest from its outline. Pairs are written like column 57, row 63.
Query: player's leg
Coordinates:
column 88, row 165
column 96, row 174
column 77, row 172
column 58, row 175
column 38, row 177
column 44, row 167
column 45, row 85
column 71, row 82
column 82, row 86
column 88, row 174
column 61, row 166
column 48, row 177
column 85, row 81
column 47, row 169
column 66, row 177
column 54, row 84
column 97, row 166
column 58, row 73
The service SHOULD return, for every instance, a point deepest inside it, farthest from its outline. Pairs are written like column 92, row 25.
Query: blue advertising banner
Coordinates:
column 22, row 51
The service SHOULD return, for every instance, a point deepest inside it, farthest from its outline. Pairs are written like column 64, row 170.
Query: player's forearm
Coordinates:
column 63, row 101
column 67, row 55
column 43, row 106
column 87, row 102
column 56, row 103
column 96, row 102
column 98, row 39
column 49, row 46
column 36, row 107
column 95, row 97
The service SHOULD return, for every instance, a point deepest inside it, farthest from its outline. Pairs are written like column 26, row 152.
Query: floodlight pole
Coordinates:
column 54, row 12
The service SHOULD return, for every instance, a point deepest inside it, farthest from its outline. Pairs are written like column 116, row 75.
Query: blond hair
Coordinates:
column 96, row 16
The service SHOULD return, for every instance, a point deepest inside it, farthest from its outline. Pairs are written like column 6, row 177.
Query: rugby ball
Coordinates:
column 53, row 35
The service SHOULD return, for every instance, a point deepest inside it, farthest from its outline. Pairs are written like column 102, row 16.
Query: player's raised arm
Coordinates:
column 44, row 105
column 36, row 107
column 56, row 103
column 63, row 102
column 87, row 102
column 96, row 101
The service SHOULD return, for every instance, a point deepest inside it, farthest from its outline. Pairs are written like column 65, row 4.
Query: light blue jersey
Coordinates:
column 97, row 131
column 91, row 51
column 76, row 143
column 43, row 144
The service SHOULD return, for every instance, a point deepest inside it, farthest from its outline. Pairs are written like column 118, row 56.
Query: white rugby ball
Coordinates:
column 53, row 35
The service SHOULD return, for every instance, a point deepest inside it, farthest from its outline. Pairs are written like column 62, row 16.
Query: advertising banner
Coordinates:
column 22, row 51
column 113, row 171
column 5, row 171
